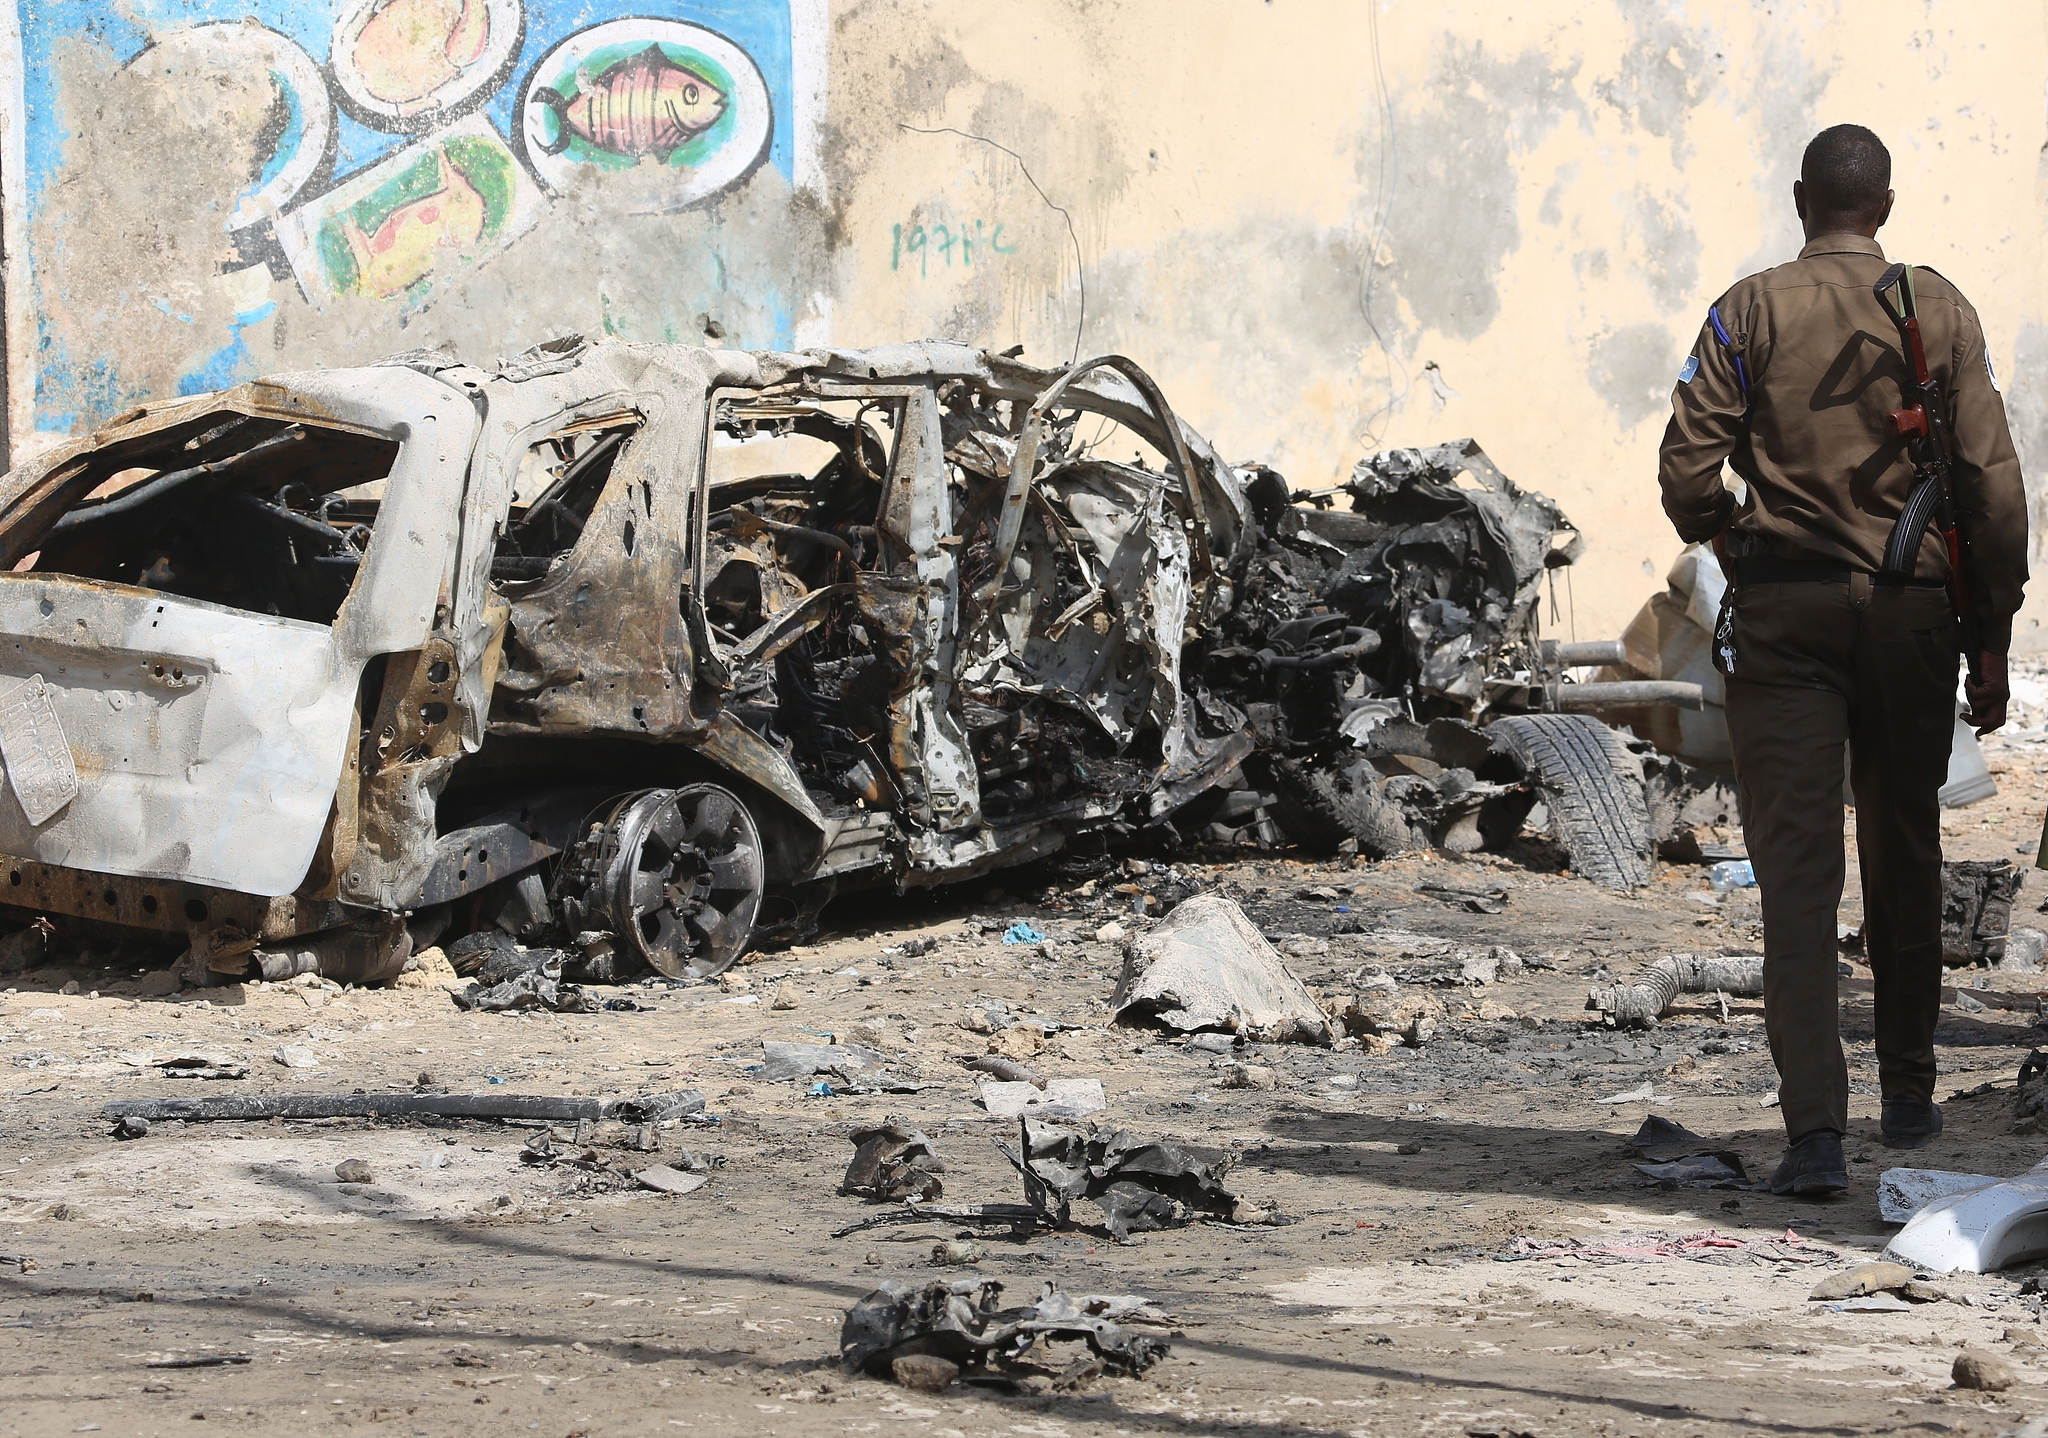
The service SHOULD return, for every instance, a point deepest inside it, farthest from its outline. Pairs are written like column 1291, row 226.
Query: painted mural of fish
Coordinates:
column 645, row 104
column 400, row 252
column 408, row 49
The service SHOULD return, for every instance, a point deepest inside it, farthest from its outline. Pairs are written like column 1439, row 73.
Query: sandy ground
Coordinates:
column 462, row 1291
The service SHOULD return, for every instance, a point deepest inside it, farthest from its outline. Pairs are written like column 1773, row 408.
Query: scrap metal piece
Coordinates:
column 539, row 987
column 1903, row 1192
column 1679, row 1157
column 37, row 755
column 640, row 1109
column 893, row 1162
column 852, row 1068
column 1448, row 554
column 1139, row 1184
column 963, row 1323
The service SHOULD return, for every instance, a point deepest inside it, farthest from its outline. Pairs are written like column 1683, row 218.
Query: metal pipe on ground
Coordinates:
column 644, row 1109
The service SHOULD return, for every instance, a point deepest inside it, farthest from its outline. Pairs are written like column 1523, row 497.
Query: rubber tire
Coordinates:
column 1593, row 787
column 1320, row 807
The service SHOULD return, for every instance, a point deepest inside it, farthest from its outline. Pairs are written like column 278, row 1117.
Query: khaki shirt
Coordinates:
column 1812, row 439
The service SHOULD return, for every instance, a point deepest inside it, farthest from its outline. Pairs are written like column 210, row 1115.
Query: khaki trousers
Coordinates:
column 1815, row 664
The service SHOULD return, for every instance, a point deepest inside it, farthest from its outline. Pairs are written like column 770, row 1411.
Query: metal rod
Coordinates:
column 1572, row 655
column 1625, row 694
column 317, row 1105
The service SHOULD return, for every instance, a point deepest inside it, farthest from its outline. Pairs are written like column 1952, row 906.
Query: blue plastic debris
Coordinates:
column 496, row 1079
column 821, row 1089
column 1343, row 908
column 1732, row 874
column 1022, row 933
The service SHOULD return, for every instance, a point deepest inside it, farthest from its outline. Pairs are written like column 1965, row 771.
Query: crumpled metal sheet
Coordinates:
column 1466, row 549
column 539, row 987
column 894, row 1162
column 964, row 1323
column 1207, row 966
column 1442, row 556
column 1140, row 1184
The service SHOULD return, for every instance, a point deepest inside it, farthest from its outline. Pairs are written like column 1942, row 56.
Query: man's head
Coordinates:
column 1844, row 184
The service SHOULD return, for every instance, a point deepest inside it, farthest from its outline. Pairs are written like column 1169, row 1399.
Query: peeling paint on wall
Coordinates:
column 211, row 189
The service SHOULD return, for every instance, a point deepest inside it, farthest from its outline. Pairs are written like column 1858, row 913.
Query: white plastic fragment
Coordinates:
column 1981, row 1230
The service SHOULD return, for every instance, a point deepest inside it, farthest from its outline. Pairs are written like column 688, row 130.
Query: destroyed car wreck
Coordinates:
column 639, row 652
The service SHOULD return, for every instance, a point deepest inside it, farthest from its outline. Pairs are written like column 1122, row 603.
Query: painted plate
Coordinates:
column 405, row 229
column 417, row 64
column 286, row 116
column 659, row 113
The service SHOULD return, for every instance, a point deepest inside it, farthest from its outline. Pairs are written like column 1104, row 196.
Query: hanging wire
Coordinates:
column 1080, row 278
column 1389, row 182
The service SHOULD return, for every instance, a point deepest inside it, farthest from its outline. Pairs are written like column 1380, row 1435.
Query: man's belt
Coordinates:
column 1770, row 569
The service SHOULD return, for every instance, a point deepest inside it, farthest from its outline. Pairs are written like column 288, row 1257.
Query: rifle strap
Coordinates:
column 1734, row 353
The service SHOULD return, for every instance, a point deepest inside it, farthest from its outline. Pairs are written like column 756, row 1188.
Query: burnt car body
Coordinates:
column 641, row 647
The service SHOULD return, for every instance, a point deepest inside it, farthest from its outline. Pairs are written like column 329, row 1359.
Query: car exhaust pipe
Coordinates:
column 1577, row 654
column 1622, row 694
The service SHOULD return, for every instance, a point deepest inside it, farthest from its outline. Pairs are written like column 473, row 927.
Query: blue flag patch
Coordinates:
column 1690, row 368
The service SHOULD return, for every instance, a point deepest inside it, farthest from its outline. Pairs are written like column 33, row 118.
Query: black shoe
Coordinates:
column 1813, row 1165
column 1910, row 1122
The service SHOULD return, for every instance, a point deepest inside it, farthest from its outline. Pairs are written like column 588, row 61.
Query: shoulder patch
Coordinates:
column 1991, row 374
column 1691, row 367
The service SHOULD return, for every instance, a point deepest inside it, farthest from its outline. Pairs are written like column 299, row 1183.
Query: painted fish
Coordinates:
column 409, row 49
column 645, row 104
column 400, row 252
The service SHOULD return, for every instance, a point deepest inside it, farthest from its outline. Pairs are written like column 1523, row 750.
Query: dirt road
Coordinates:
column 461, row 1290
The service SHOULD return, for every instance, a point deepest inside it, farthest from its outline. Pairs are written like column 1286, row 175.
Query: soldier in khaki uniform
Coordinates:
column 1792, row 383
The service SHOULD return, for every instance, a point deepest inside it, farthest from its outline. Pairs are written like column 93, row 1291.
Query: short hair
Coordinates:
column 1846, row 171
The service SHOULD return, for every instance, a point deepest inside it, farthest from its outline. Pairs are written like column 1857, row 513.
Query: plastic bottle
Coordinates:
column 1731, row 874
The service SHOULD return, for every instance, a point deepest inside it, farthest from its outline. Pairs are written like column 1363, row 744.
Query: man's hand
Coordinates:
column 1987, row 700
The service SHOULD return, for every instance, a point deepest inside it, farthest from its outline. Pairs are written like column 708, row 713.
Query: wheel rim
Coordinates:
column 685, row 881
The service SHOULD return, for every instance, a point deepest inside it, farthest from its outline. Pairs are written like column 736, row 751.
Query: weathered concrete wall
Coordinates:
column 1326, row 228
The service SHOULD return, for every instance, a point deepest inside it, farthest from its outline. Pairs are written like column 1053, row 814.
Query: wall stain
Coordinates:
column 1632, row 368
column 1456, row 206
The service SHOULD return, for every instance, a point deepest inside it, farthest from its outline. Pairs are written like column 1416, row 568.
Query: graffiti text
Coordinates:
column 943, row 245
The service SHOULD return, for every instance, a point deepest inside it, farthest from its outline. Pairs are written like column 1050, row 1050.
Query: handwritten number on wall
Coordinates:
column 916, row 244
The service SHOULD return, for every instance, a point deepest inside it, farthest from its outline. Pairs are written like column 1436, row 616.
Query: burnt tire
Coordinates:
column 1593, row 787
column 1322, row 805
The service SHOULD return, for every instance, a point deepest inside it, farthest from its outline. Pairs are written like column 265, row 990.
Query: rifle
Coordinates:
column 1923, row 424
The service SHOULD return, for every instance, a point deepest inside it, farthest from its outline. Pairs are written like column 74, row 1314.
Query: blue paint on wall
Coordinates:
column 761, row 29
column 72, row 391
